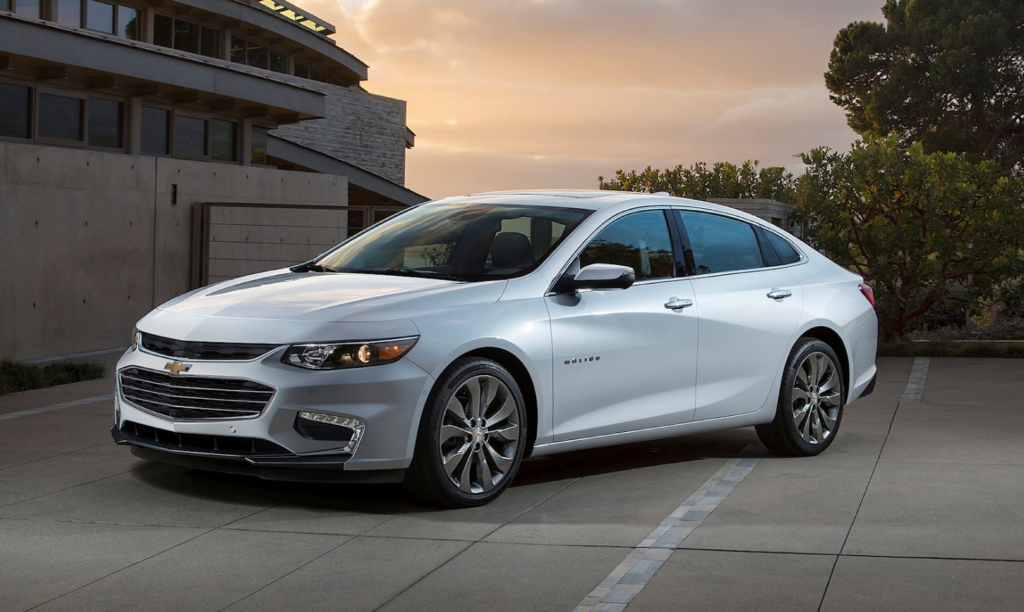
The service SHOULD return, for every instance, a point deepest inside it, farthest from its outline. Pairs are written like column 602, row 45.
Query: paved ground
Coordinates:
column 917, row 506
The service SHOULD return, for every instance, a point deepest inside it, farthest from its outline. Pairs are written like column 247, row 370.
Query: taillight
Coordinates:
column 869, row 295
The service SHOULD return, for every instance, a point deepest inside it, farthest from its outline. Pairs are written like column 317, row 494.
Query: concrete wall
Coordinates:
column 90, row 241
column 245, row 240
column 361, row 128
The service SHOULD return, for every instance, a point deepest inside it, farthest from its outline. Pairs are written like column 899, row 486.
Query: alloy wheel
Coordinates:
column 479, row 434
column 816, row 398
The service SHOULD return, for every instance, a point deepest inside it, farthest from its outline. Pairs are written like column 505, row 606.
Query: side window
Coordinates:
column 785, row 250
column 640, row 241
column 721, row 244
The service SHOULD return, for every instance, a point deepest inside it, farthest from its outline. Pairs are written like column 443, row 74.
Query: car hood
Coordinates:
column 331, row 297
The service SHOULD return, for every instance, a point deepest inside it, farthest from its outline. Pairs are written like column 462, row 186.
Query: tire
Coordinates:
column 464, row 456
column 811, row 401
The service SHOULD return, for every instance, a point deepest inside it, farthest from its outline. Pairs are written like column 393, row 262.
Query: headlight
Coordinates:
column 135, row 338
column 338, row 355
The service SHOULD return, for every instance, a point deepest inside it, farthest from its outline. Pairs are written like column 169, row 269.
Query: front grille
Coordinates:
column 200, row 443
column 210, row 351
column 194, row 397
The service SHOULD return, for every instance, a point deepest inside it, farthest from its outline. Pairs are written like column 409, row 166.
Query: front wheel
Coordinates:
column 811, row 402
column 471, row 438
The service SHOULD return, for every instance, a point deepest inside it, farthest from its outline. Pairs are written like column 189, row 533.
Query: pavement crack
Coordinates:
column 863, row 495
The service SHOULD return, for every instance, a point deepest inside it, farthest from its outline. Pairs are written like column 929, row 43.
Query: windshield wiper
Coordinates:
column 309, row 266
column 417, row 273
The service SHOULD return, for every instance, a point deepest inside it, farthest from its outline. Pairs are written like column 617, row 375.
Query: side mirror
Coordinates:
column 597, row 276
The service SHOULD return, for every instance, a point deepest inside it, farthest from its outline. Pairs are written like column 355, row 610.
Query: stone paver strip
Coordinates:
column 918, row 378
column 643, row 562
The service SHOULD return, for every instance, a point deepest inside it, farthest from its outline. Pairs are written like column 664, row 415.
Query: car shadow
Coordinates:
column 393, row 499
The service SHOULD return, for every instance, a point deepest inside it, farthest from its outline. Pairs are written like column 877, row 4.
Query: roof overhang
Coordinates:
column 320, row 162
column 39, row 43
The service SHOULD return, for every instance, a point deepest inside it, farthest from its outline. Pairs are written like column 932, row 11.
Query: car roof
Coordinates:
column 592, row 199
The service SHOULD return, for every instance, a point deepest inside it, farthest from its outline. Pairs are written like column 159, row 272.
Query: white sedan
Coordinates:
column 443, row 345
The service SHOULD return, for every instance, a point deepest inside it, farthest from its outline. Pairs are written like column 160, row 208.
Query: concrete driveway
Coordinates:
column 918, row 505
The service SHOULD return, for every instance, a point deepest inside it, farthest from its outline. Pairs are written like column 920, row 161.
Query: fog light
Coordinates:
column 331, row 427
column 117, row 413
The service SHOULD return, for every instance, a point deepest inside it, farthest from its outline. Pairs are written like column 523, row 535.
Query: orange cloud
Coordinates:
column 552, row 93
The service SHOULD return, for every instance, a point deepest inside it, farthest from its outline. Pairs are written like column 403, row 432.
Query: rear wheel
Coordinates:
column 471, row 437
column 811, row 402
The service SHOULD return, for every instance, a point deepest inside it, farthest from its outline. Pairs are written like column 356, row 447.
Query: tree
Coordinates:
column 700, row 181
column 948, row 74
column 926, row 230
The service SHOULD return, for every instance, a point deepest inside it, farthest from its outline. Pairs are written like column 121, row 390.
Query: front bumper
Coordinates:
column 387, row 399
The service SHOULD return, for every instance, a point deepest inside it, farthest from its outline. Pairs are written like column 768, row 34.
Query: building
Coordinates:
column 148, row 147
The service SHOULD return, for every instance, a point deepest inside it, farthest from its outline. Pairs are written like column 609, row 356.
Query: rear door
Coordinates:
column 750, row 308
column 623, row 359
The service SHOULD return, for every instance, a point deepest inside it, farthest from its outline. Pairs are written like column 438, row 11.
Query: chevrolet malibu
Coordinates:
column 443, row 345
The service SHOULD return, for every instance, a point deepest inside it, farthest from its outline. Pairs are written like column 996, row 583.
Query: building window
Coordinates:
column 189, row 137
column 258, row 147
column 305, row 72
column 69, row 13
column 156, row 123
column 99, row 16
column 5, row 5
column 163, row 31
column 257, row 55
column 185, row 36
column 15, row 110
column 104, row 123
column 128, row 22
column 60, row 117
column 25, row 8
column 223, row 140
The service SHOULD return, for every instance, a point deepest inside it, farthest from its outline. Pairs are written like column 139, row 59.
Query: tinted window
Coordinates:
column 100, row 16
column 15, row 102
column 210, row 43
column 186, row 36
column 256, row 55
column 640, row 241
column 278, row 62
column 163, row 31
column 189, row 136
column 155, row 124
column 787, row 254
column 128, row 23
column 104, row 123
column 258, row 146
column 60, row 117
column 222, row 140
column 69, row 12
column 721, row 244
column 27, row 8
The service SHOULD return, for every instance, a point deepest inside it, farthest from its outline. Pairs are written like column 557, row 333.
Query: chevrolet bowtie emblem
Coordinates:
column 176, row 367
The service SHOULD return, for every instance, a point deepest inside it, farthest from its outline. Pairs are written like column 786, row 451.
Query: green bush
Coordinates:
column 16, row 376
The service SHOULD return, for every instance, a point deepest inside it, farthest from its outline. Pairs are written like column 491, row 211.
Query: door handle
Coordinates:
column 675, row 303
column 778, row 294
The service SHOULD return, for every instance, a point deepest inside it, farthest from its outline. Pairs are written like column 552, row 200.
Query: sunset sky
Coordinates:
column 508, row 94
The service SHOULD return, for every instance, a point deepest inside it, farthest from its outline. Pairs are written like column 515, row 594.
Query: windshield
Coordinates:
column 466, row 241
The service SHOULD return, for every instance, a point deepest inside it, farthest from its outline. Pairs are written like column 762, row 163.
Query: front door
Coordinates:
column 623, row 360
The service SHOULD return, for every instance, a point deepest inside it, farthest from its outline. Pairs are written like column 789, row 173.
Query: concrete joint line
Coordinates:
column 917, row 380
column 630, row 577
column 41, row 409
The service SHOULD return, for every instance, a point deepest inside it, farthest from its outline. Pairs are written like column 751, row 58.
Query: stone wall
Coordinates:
column 90, row 242
column 361, row 128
